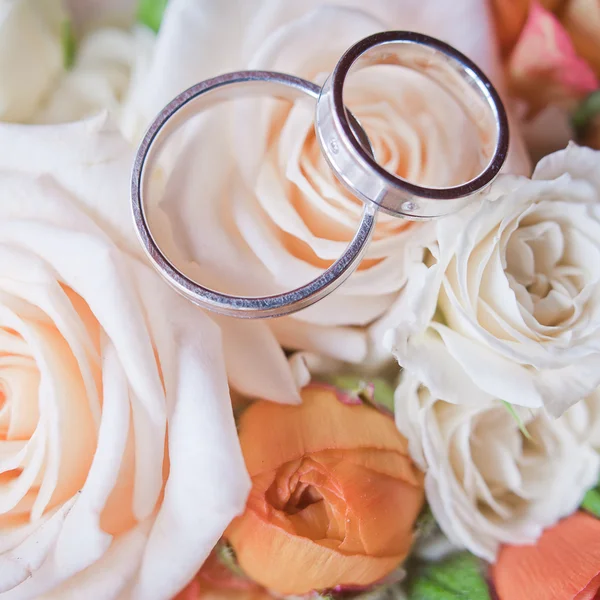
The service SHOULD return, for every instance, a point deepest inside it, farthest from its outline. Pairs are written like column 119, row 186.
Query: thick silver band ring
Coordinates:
column 189, row 103
column 358, row 171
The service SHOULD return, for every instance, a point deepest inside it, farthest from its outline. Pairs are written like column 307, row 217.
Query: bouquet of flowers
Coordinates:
column 429, row 431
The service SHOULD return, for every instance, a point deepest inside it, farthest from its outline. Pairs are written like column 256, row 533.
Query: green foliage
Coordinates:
column 150, row 13
column 591, row 501
column 384, row 394
column 587, row 111
column 69, row 44
column 458, row 577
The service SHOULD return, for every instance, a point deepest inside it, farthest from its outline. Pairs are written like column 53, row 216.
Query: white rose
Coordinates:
column 120, row 461
column 286, row 218
column 508, row 305
column 36, row 39
column 31, row 55
column 107, row 61
column 584, row 420
column 486, row 482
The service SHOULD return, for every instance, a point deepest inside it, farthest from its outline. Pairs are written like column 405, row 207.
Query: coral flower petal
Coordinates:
column 563, row 565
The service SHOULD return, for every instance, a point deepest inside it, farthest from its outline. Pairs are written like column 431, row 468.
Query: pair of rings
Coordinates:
column 346, row 148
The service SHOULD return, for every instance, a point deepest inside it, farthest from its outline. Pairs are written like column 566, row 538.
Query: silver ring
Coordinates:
column 191, row 102
column 359, row 172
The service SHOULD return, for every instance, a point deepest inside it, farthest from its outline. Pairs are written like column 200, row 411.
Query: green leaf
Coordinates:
column 591, row 502
column 227, row 557
column 383, row 394
column 458, row 577
column 69, row 44
column 586, row 112
column 150, row 13
column 515, row 415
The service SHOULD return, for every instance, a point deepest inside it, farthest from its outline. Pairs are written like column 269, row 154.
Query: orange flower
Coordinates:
column 334, row 495
column 563, row 565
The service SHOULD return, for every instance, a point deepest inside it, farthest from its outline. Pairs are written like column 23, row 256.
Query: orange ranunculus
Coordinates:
column 563, row 565
column 334, row 494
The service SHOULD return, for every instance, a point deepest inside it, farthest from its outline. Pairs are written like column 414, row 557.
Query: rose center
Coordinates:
column 296, row 486
column 302, row 497
column 539, row 272
column 308, row 499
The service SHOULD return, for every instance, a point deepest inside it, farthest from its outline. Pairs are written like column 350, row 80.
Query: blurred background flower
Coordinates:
column 545, row 65
column 551, row 51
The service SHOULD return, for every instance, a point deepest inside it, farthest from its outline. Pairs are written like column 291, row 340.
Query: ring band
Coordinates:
column 191, row 102
column 359, row 172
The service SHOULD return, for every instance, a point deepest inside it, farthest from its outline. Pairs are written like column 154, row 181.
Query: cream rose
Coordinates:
column 108, row 60
column 39, row 85
column 584, row 420
column 270, row 214
column 508, row 304
column 120, row 463
column 486, row 481
column 31, row 55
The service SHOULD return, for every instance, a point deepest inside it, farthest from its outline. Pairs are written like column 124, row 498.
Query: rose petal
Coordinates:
column 195, row 510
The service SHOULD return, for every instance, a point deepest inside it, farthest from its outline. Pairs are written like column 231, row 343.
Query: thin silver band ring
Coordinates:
column 191, row 102
column 358, row 171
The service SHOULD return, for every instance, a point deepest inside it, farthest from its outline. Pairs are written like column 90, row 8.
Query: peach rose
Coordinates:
column 288, row 218
column 115, row 418
column 563, row 565
column 271, row 214
column 334, row 494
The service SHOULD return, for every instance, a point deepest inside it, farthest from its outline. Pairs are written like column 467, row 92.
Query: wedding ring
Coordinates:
column 188, row 104
column 358, row 171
